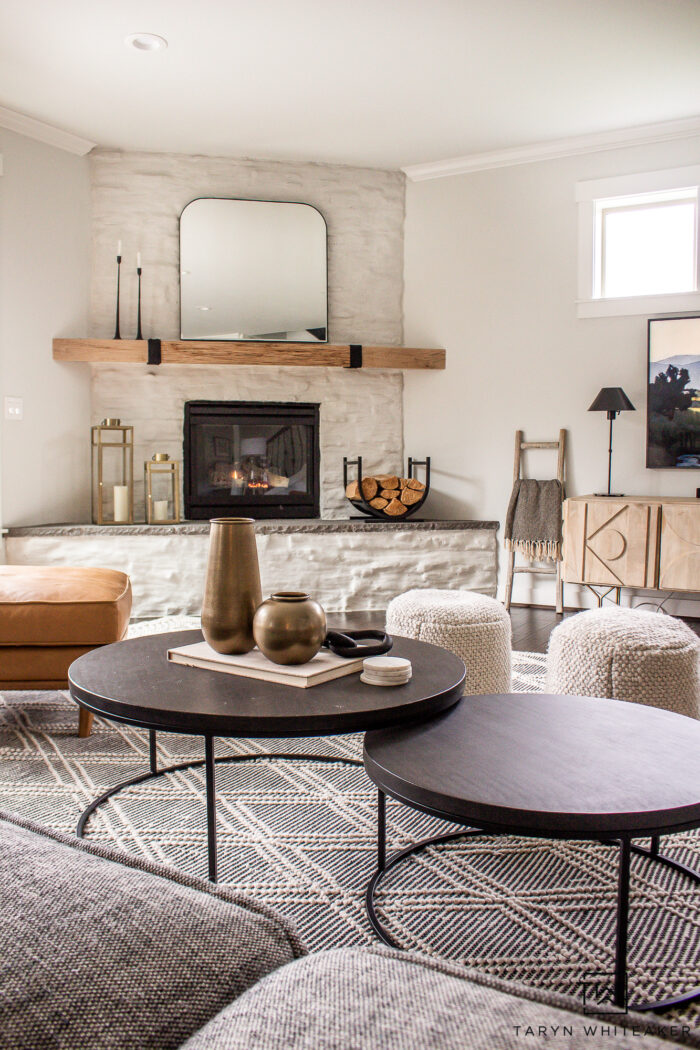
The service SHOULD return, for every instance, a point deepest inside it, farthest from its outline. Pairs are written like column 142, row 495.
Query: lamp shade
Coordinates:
column 612, row 399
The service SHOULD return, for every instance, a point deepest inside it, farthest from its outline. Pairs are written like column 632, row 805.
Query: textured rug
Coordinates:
column 301, row 837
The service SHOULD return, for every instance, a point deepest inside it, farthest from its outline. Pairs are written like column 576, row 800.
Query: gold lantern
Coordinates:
column 112, row 473
column 162, row 484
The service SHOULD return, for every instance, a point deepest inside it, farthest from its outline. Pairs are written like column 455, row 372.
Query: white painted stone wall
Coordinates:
column 345, row 571
column 138, row 197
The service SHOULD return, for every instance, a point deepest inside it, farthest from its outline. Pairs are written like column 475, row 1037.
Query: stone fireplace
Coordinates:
column 360, row 411
column 139, row 197
column 348, row 565
column 251, row 458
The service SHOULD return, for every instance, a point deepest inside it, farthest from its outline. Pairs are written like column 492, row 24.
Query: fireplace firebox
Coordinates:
column 254, row 458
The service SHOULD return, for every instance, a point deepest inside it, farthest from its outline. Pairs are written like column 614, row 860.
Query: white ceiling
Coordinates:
column 384, row 83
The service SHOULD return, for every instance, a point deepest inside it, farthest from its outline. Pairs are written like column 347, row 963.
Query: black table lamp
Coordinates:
column 611, row 399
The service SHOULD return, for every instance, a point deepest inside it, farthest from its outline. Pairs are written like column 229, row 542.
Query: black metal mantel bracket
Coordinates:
column 355, row 356
column 154, row 353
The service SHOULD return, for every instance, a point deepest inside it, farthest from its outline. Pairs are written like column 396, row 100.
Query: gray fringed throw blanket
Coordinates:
column 533, row 521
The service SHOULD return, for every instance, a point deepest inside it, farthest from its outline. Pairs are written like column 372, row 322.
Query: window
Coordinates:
column 638, row 247
column 646, row 244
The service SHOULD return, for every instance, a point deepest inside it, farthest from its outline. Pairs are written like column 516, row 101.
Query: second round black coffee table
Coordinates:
column 133, row 682
column 530, row 764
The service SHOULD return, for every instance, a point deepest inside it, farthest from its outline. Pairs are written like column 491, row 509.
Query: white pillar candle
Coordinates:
column 121, row 502
column 119, row 247
column 160, row 509
column 138, row 260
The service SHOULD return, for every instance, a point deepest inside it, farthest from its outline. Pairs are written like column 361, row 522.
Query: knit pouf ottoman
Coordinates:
column 626, row 654
column 472, row 626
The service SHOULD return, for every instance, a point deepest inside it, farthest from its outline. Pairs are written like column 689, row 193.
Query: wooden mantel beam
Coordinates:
column 186, row 352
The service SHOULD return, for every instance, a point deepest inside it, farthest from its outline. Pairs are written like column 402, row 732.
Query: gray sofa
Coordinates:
column 101, row 951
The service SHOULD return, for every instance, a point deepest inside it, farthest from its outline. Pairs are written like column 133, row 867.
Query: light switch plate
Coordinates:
column 14, row 408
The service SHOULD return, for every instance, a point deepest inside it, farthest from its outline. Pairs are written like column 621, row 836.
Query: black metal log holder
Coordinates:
column 362, row 504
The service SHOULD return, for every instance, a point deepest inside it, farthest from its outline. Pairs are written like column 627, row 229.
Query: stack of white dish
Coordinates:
column 386, row 670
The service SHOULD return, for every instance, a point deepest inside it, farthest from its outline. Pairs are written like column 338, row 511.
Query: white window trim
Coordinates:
column 625, row 185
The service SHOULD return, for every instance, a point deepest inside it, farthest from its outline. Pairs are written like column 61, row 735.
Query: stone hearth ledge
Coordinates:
column 355, row 566
column 276, row 525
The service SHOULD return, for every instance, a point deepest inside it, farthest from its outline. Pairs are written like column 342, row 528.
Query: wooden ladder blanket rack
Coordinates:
column 520, row 447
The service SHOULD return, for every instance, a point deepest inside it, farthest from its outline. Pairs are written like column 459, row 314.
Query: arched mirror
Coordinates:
column 253, row 270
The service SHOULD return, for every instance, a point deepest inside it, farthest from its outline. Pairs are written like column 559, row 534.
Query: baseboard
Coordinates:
column 549, row 608
column 572, row 609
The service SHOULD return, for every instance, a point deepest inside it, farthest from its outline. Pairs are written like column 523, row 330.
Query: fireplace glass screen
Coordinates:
column 253, row 458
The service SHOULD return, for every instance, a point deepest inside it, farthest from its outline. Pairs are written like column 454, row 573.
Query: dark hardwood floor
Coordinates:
column 531, row 626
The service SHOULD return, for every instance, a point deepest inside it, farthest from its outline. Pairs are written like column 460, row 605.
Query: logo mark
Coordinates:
column 599, row 994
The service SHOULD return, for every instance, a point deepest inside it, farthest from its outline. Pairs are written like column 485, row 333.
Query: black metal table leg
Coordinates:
column 384, row 866
column 387, row 864
column 209, row 762
column 623, row 905
column 381, row 831
column 211, row 805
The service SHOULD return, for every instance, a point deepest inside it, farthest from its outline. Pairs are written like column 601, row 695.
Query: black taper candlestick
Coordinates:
column 139, row 333
column 119, row 266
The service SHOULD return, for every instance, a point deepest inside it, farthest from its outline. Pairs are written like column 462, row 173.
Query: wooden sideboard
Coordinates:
column 632, row 541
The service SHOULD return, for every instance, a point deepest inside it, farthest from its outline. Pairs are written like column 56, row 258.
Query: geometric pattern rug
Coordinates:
column 301, row 836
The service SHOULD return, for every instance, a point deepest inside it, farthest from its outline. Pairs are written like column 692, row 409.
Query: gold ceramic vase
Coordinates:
column 289, row 627
column 232, row 587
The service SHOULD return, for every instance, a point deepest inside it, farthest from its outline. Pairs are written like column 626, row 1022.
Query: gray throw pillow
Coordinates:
column 101, row 950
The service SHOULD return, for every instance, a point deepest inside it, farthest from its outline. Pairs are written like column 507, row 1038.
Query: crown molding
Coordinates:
column 36, row 129
column 641, row 135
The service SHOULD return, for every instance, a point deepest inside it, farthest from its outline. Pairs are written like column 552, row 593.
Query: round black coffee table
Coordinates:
column 133, row 682
column 549, row 767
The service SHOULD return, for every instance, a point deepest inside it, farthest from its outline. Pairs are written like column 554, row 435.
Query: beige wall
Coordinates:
column 44, row 258
column 491, row 274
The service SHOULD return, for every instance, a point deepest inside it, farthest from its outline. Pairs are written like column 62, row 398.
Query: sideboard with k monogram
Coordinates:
column 645, row 542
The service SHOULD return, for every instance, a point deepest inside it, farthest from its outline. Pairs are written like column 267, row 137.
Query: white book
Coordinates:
column 323, row 668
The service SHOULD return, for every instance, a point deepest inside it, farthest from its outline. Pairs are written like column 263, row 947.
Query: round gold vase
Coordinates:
column 289, row 627
column 232, row 587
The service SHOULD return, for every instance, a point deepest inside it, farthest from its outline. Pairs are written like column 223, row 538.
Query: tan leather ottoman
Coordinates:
column 49, row 616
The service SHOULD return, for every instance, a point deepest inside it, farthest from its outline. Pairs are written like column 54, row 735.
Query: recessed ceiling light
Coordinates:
column 146, row 42
column 204, row 307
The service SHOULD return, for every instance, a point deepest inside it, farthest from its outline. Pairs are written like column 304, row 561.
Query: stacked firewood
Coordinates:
column 388, row 492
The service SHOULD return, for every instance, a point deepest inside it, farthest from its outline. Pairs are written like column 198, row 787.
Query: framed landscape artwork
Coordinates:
column 673, row 398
